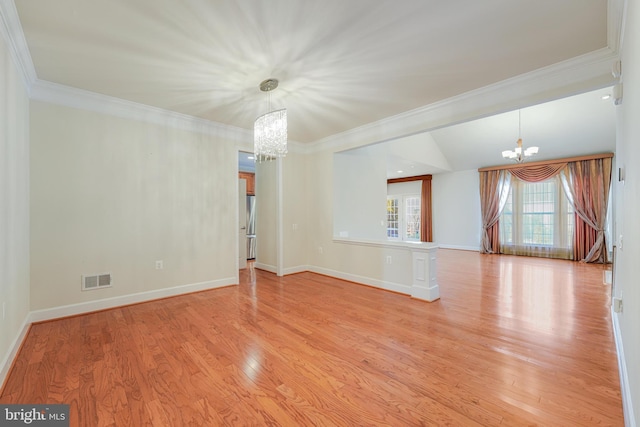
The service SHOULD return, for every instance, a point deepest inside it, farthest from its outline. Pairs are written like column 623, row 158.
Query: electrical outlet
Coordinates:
column 388, row 259
column 159, row 265
column 617, row 305
column 319, row 249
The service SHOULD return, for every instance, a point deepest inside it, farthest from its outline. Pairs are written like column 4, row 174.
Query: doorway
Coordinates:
column 247, row 208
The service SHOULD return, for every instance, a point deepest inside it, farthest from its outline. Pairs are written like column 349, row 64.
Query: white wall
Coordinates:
column 14, row 206
column 457, row 221
column 360, row 195
column 404, row 188
column 114, row 195
column 626, row 284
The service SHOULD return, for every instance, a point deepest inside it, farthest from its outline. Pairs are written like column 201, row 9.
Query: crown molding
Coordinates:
column 616, row 11
column 55, row 93
column 577, row 75
column 11, row 31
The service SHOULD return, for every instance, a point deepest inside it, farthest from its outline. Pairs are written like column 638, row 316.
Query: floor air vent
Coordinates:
column 96, row 281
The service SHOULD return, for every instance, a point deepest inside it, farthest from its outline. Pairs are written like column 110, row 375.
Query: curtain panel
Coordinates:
column 587, row 184
column 494, row 190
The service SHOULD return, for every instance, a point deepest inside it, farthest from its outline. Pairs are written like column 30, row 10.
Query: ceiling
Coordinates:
column 341, row 64
column 577, row 125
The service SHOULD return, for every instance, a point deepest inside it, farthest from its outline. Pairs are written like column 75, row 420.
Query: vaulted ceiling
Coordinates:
column 341, row 64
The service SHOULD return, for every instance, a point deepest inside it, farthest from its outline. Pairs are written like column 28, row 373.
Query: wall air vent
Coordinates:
column 96, row 281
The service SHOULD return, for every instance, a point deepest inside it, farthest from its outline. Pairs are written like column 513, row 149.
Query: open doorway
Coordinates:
column 247, row 208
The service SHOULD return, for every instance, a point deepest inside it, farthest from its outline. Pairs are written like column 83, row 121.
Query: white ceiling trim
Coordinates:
column 581, row 74
column 616, row 11
column 58, row 94
column 11, row 30
column 67, row 96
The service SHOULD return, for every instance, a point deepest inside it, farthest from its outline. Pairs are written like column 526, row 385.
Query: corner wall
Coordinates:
column 626, row 284
column 14, row 207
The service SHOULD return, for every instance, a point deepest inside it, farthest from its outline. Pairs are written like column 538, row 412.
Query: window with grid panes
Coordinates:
column 538, row 212
column 403, row 217
column 536, row 215
column 393, row 226
column 412, row 218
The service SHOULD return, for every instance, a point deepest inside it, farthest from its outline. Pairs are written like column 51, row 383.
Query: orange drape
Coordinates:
column 426, row 234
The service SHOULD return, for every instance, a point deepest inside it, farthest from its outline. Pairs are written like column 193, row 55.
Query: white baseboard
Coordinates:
column 266, row 267
column 298, row 269
column 426, row 294
column 627, row 403
column 390, row 286
column 13, row 351
column 87, row 307
column 460, row 248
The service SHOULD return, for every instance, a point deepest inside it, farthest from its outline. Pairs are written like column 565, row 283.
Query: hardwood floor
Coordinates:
column 512, row 341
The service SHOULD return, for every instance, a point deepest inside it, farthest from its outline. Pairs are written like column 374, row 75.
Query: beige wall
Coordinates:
column 266, row 215
column 627, row 284
column 295, row 211
column 115, row 195
column 14, row 206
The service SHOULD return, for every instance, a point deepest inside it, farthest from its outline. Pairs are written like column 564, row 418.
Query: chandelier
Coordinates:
column 270, row 129
column 519, row 155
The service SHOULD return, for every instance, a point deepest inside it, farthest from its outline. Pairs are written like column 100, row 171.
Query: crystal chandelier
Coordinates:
column 270, row 129
column 519, row 155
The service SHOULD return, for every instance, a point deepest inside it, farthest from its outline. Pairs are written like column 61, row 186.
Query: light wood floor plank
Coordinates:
column 513, row 341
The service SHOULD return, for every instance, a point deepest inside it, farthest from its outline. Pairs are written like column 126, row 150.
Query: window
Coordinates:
column 412, row 217
column 403, row 217
column 537, row 220
column 392, row 218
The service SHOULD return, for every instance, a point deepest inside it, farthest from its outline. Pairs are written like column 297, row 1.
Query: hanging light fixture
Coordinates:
column 519, row 155
column 270, row 129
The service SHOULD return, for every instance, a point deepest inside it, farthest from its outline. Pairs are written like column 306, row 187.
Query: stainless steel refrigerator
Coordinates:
column 251, row 227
